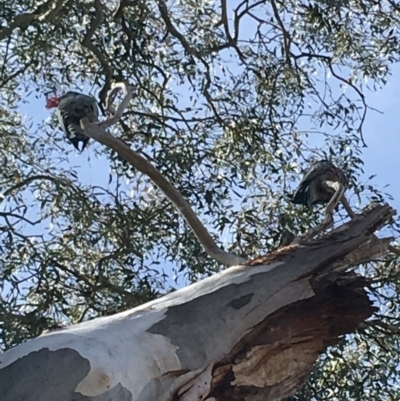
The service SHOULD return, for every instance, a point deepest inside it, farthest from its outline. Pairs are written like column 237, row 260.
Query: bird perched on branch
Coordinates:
column 323, row 183
column 71, row 108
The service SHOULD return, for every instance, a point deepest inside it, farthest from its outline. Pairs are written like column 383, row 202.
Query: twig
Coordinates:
column 328, row 60
column 17, row 216
column 98, row 133
column 14, row 75
column 328, row 218
column 87, row 42
column 127, row 92
column 352, row 215
column 27, row 181
column 52, row 9
column 286, row 36
column 359, row 93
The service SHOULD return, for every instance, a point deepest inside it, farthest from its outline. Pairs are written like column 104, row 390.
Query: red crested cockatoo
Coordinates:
column 71, row 108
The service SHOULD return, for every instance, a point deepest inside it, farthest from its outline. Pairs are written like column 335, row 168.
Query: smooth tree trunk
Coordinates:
column 251, row 332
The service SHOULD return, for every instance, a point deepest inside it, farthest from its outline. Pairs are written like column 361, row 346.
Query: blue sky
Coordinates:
column 380, row 133
column 380, row 157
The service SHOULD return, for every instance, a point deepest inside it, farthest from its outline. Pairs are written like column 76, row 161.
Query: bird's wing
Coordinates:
column 95, row 109
column 89, row 103
column 61, row 120
column 316, row 170
column 77, row 105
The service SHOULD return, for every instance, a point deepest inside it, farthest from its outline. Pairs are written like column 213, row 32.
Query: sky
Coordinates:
column 380, row 134
column 380, row 157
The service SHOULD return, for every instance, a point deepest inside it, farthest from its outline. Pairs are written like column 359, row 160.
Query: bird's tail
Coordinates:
column 75, row 131
column 75, row 135
column 299, row 196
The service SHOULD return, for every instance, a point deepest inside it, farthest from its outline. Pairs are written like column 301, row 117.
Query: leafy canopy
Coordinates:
column 230, row 110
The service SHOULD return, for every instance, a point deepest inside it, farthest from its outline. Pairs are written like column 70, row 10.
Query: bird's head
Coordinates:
column 52, row 102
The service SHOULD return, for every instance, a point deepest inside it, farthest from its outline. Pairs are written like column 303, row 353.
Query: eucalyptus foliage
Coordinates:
column 230, row 110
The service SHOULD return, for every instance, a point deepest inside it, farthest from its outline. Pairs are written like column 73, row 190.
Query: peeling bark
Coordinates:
column 251, row 332
column 273, row 360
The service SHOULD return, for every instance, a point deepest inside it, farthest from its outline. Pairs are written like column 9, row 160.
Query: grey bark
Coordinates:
column 250, row 333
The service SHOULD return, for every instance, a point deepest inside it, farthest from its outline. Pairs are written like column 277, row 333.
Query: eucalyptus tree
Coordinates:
column 231, row 103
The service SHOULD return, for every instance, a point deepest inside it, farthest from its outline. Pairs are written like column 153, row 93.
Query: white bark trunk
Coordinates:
column 251, row 332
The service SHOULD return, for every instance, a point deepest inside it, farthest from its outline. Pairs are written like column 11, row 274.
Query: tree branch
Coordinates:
column 27, row 181
column 127, row 93
column 98, row 133
column 328, row 61
column 352, row 215
column 52, row 9
column 258, row 331
column 87, row 42
column 232, row 41
column 56, row 6
column 162, row 7
column 17, row 216
column 286, row 36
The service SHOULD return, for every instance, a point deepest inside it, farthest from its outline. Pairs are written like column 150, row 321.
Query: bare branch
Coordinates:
column 328, row 218
column 328, row 60
column 127, row 92
column 98, row 133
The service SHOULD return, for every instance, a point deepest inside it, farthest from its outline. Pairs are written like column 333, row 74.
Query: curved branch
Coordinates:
column 27, row 181
column 98, row 133
column 127, row 93
column 53, row 7
column 162, row 7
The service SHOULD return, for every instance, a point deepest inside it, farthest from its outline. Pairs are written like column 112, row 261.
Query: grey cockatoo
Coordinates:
column 71, row 108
